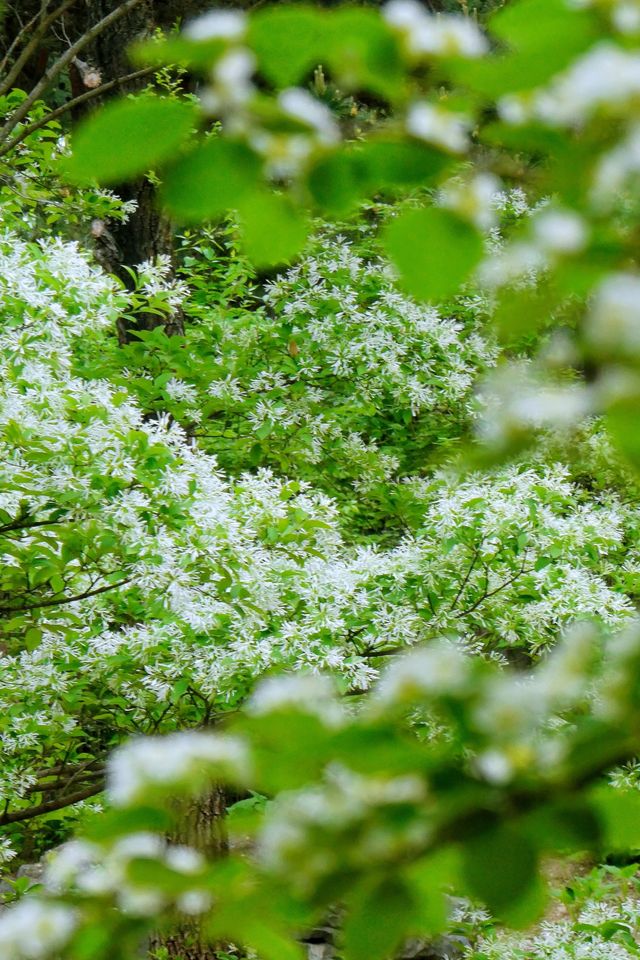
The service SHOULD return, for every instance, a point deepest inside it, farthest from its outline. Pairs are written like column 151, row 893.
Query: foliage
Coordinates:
column 145, row 590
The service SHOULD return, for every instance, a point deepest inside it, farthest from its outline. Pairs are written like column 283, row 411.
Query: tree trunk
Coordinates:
column 202, row 827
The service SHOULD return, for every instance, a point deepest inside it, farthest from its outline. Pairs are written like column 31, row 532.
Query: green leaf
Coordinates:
column 128, row 137
column 178, row 50
column 339, row 181
column 565, row 826
column 362, row 53
column 210, row 180
column 273, row 231
column 535, row 54
column 32, row 638
column 622, row 425
column 116, row 823
column 434, row 251
column 399, row 163
column 499, row 866
column 287, row 42
column 377, row 921
column 619, row 814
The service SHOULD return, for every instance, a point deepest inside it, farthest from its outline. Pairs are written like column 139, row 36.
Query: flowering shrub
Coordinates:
column 135, row 576
column 145, row 592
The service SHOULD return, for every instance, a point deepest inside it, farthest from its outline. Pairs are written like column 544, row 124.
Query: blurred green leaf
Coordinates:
column 128, row 137
column 273, row 231
column 434, row 251
column 287, row 42
column 210, row 180
column 500, row 868
column 534, row 55
column 619, row 813
column 378, row 919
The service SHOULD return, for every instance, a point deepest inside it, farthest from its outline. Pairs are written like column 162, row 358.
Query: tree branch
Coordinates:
column 55, row 69
column 82, row 98
column 17, row 40
column 50, row 805
column 63, row 600
column 491, row 593
column 32, row 45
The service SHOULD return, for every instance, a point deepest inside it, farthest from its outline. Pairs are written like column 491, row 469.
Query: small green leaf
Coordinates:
column 534, row 55
column 337, row 181
column 565, row 826
column 287, row 42
column 210, row 180
column 622, row 426
column 434, row 251
column 32, row 638
column 399, row 163
column 273, row 231
column 378, row 919
column 500, row 868
column 619, row 814
column 361, row 52
column 129, row 137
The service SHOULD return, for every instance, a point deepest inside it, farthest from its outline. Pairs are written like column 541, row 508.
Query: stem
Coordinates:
column 30, row 812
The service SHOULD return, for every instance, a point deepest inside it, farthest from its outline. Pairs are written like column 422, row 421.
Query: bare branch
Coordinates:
column 32, row 45
column 63, row 600
column 17, row 40
column 502, row 586
column 56, row 68
column 29, row 813
column 71, row 104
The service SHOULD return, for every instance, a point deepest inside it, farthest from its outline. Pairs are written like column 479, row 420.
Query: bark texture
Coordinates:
column 202, row 827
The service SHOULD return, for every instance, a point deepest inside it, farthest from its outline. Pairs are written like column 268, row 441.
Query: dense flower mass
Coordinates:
column 369, row 509
column 141, row 577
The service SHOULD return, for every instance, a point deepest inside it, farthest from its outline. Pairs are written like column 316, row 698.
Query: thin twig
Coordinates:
column 50, row 805
column 64, row 600
column 38, row 34
column 55, row 69
column 71, row 104
column 17, row 40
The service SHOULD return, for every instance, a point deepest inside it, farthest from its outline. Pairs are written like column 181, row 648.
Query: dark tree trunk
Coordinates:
column 202, row 827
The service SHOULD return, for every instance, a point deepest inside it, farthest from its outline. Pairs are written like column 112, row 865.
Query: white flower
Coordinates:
column 194, row 901
column 182, row 759
column 218, row 24
column 34, row 928
column 308, row 693
column 616, row 166
column 181, row 391
column 427, row 35
column 440, row 669
column 520, row 262
column 300, row 104
column 436, row 125
column 613, row 322
column 68, row 861
column 230, row 86
column 473, row 199
column 559, row 231
column 494, row 766
column 184, row 859
column 606, row 78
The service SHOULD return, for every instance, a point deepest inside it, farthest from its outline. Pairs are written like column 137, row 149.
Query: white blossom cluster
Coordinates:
column 94, row 870
column 366, row 360
column 35, row 928
column 161, row 585
column 428, row 35
column 586, row 939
